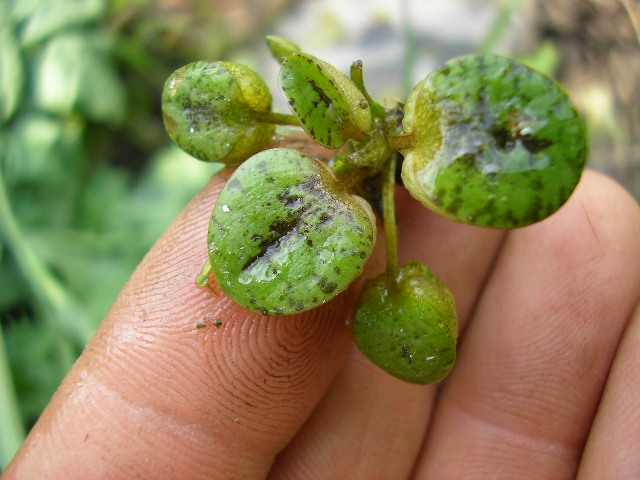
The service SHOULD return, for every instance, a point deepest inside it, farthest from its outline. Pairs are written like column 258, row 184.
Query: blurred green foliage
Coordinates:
column 88, row 180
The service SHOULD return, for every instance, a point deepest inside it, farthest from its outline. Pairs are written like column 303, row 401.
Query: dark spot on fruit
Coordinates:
column 324, row 218
column 406, row 353
column 535, row 145
column 278, row 229
column 503, row 137
column 323, row 96
column 328, row 287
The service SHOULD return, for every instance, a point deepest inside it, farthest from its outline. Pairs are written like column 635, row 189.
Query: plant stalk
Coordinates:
column 12, row 432
column 278, row 119
column 54, row 300
column 389, row 215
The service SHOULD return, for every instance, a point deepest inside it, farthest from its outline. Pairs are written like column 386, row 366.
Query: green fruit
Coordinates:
column 285, row 237
column 211, row 111
column 407, row 325
column 493, row 143
column 329, row 106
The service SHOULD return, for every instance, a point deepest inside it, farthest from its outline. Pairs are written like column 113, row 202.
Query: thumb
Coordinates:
column 181, row 383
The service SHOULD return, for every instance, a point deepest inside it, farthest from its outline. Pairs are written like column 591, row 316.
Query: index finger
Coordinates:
column 180, row 383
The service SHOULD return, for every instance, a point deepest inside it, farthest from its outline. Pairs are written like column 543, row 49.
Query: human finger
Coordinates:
column 535, row 357
column 180, row 383
column 366, row 411
column 613, row 446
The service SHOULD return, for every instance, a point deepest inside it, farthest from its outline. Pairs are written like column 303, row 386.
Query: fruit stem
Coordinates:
column 278, row 118
column 401, row 141
column 389, row 215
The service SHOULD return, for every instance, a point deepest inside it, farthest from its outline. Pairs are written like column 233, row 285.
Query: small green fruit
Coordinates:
column 494, row 143
column 211, row 110
column 407, row 325
column 285, row 237
column 329, row 106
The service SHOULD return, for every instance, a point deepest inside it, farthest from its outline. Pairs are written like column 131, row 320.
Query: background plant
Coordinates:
column 88, row 180
column 88, row 184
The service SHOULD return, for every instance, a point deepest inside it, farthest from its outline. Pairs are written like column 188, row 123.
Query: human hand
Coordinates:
column 546, row 385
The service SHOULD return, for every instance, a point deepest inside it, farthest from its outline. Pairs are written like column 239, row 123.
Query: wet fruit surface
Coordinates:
column 284, row 237
column 210, row 110
column 408, row 327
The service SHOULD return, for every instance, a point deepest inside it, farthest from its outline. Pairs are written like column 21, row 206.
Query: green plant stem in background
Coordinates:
column 357, row 77
column 56, row 304
column 500, row 24
column 12, row 433
column 410, row 49
column 389, row 215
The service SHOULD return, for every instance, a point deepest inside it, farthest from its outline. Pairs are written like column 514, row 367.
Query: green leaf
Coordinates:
column 329, row 106
column 59, row 74
column 102, row 96
column 49, row 17
column 33, row 144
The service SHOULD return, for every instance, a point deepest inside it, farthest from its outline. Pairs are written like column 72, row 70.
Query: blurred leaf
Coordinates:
column 59, row 73
column 11, row 72
column 75, row 73
column 47, row 17
column 102, row 93
column 32, row 143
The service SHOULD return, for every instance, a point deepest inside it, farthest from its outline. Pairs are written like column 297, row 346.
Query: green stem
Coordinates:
column 389, row 215
column 13, row 432
column 401, row 141
column 54, row 300
column 278, row 119
column 410, row 48
column 499, row 26
column 357, row 77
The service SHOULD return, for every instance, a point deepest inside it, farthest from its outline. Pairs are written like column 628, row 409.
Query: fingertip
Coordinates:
column 182, row 380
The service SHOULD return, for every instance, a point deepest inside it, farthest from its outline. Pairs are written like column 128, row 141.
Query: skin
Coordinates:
column 546, row 385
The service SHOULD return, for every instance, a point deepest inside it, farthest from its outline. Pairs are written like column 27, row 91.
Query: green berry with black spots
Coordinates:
column 285, row 237
column 406, row 324
column 491, row 142
column 212, row 109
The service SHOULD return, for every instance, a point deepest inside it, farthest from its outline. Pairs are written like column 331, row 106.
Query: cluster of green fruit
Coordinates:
column 483, row 140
